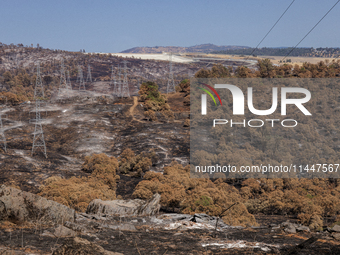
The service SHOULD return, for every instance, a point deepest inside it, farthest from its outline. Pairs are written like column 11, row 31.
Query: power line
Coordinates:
column 271, row 29
column 311, row 30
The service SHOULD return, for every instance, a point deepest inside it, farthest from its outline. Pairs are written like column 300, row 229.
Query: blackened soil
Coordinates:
column 126, row 186
column 156, row 241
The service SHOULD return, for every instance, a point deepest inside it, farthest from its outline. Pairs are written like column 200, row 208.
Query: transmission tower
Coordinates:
column 2, row 131
column 38, row 90
column 89, row 76
column 113, row 82
column 68, row 82
column 63, row 81
column 139, row 83
column 80, row 79
column 118, row 86
column 2, row 135
column 38, row 139
column 171, row 82
column 125, row 87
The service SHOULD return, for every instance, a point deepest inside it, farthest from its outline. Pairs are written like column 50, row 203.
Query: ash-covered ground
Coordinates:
column 79, row 125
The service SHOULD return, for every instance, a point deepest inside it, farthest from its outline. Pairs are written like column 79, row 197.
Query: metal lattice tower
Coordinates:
column 68, row 82
column 2, row 135
column 38, row 139
column 118, row 87
column 63, row 81
column 89, row 76
column 125, row 87
column 113, row 82
column 139, row 82
column 80, row 79
column 2, row 131
column 171, row 83
column 38, row 89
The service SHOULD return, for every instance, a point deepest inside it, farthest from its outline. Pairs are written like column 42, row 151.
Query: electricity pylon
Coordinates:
column 68, row 82
column 118, row 86
column 2, row 135
column 89, row 76
column 63, row 81
column 125, row 87
column 2, row 131
column 38, row 89
column 38, row 139
column 113, row 82
column 171, row 83
column 80, row 79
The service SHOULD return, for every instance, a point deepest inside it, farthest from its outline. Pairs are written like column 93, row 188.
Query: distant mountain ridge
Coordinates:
column 203, row 48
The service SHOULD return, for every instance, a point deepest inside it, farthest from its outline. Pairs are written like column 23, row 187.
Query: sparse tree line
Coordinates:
column 298, row 52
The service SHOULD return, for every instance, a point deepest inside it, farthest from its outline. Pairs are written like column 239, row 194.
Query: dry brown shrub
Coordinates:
column 310, row 199
column 12, row 98
column 77, row 192
column 103, row 167
column 192, row 195
column 151, row 115
column 154, row 101
column 141, row 163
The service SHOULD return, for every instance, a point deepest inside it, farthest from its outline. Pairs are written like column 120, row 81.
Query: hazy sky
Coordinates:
column 113, row 26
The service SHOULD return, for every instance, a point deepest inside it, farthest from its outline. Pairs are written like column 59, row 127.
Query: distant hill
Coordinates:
column 204, row 48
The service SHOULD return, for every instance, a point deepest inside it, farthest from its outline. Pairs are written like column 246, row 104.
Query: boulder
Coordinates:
column 290, row 228
column 24, row 206
column 276, row 228
column 288, row 223
column 78, row 245
column 135, row 207
column 336, row 228
column 336, row 236
column 303, row 229
column 62, row 231
column 123, row 227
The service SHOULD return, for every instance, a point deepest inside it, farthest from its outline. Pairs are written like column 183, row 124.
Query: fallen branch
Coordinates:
column 220, row 215
column 301, row 246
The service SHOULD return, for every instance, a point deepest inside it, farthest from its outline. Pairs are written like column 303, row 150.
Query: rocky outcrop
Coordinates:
column 336, row 228
column 135, row 207
column 78, row 245
column 292, row 228
column 62, row 231
column 24, row 206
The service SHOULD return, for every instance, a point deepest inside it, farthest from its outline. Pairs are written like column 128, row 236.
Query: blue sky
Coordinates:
column 113, row 26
